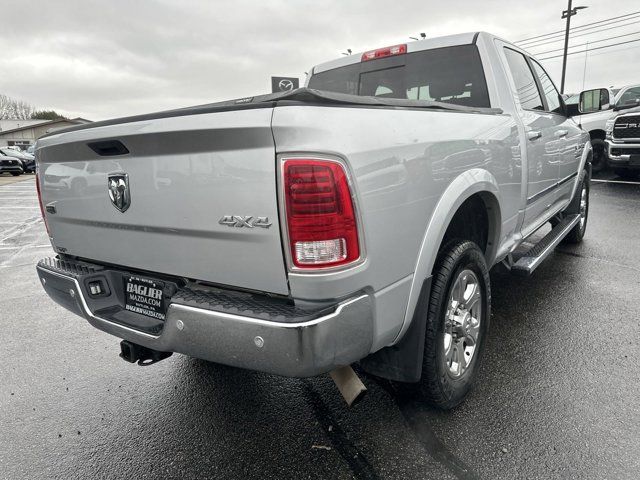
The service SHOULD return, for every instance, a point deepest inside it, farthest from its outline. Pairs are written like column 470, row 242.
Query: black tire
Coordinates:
column 15, row 174
column 577, row 233
column 599, row 160
column 438, row 386
column 627, row 173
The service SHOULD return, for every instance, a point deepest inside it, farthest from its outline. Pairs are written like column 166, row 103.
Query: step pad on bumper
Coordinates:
column 247, row 304
column 232, row 302
column 65, row 267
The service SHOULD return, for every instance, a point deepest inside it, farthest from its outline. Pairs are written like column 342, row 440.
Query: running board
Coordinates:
column 534, row 257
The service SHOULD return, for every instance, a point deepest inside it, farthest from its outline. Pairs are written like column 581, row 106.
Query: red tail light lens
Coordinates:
column 321, row 219
column 384, row 52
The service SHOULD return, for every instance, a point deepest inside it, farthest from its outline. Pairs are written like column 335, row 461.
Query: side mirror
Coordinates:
column 594, row 100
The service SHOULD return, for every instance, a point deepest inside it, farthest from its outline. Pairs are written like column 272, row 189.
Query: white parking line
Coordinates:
column 24, row 246
column 12, row 232
column 627, row 182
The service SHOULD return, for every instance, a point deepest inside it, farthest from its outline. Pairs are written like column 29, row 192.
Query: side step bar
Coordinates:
column 534, row 257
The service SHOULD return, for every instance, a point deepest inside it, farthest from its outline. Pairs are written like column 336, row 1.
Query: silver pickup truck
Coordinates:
column 353, row 220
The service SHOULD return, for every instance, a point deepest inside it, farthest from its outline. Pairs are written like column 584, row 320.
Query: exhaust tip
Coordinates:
column 349, row 385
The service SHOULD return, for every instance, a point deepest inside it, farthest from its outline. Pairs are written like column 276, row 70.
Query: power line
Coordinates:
column 608, row 52
column 525, row 40
column 579, row 35
column 587, row 43
column 583, row 31
column 596, row 48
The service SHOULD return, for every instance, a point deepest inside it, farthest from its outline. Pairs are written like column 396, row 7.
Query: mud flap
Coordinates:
column 403, row 362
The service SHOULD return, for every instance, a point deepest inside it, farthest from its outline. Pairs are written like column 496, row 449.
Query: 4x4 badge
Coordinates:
column 248, row 221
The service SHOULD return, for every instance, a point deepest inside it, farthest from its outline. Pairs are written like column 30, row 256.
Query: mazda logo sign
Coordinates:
column 285, row 85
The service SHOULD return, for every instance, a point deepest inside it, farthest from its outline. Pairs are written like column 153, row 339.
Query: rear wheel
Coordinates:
column 457, row 322
column 15, row 174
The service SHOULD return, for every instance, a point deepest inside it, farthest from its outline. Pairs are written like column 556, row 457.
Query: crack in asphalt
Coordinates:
column 416, row 417
column 348, row 451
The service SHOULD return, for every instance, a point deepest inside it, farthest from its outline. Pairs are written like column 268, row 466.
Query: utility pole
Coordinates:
column 568, row 13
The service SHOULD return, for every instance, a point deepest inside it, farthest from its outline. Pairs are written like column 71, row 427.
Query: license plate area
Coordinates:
column 145, row 296
column 634, row 160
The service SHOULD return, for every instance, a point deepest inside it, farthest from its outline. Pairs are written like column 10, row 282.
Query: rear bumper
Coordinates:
column 298, row 346
column 620, row 154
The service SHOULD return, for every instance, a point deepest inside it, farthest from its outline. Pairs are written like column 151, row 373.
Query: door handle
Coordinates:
column 534, row 134
column 561, row 133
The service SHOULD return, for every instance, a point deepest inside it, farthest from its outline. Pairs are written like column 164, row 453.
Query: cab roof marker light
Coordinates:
column 384, row 52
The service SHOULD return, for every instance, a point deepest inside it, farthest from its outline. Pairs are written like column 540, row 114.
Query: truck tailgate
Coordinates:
column 184, row 174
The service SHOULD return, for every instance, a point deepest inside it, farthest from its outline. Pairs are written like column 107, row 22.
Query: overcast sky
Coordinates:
column 110, row 58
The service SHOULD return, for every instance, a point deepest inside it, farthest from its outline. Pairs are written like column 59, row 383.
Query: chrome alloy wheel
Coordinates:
column 462, row 322
column 584, row 206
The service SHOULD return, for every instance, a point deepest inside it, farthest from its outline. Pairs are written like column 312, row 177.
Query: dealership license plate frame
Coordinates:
column 144, row 301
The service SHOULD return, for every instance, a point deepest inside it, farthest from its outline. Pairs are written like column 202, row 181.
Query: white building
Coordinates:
column 23, row 133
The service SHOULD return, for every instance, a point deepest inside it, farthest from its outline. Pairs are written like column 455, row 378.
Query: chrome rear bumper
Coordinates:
column 341, row 335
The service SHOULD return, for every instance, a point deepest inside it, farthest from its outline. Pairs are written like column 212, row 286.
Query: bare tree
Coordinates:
column 11, row 108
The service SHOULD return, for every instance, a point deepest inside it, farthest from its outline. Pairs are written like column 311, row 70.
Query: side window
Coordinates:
column 629, row 96
column 524, row 80
column 548, row 89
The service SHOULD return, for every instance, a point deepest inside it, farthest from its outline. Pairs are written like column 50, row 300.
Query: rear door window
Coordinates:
column 524, row 81
column 450, row 74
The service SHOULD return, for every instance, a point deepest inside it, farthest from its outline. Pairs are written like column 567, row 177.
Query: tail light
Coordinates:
column 46, row 225
column 384, row 52
column 320, row 215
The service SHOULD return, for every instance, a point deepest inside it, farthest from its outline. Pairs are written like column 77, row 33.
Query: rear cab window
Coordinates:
column 450, row 74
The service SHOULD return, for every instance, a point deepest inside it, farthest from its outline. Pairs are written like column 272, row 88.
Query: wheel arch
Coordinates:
column 403, row 360
column 475, row 183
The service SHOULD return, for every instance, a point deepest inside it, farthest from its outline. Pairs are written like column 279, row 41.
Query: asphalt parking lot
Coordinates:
column 557, row 396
